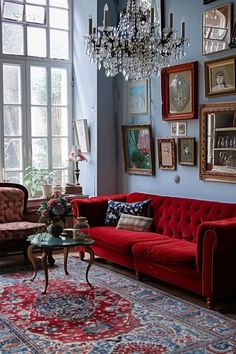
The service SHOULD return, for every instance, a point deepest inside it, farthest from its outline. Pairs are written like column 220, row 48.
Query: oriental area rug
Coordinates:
column 119, row 315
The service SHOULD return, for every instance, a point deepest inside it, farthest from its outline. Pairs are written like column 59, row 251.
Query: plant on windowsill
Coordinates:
column 35, row 179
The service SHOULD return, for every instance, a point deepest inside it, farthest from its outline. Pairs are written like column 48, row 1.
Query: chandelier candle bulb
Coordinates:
column 105, row 19
column 152, row 15
column 183, row 30
column 90, row 25
column 171, row 20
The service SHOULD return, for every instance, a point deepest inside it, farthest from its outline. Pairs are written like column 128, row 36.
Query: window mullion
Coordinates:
column 49, row 111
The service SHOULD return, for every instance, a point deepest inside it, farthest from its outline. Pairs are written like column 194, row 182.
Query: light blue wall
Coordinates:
column 163, row 182
column 102, row 101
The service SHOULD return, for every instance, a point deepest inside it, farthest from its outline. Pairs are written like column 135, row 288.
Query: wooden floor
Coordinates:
column 226, row 307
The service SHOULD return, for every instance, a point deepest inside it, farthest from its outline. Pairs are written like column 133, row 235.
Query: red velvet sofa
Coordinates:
column 192, row 243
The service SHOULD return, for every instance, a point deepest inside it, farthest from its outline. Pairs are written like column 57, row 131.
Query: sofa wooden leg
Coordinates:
column 209, row 303
column 138, row 275
column 81, row 254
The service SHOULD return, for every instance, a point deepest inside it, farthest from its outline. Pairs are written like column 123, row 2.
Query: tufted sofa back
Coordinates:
column 11, row 204
column 180, row 217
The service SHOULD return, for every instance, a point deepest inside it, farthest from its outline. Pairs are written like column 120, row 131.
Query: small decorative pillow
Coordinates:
column 134, row 223
column 115, row 209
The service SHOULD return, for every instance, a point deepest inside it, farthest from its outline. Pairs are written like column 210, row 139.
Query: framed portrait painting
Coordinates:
column 138, row 149
column 179, row 92
column 137, row 97
column 166, row 153
column 220, row 77
column 186, row 151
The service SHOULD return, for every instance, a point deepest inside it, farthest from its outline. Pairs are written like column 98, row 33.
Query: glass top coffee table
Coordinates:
column 46, row 243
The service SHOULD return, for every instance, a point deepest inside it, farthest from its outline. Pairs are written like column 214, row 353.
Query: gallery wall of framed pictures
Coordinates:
column 180, row 101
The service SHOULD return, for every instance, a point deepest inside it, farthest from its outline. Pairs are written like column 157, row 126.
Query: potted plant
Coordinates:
column 38, row 181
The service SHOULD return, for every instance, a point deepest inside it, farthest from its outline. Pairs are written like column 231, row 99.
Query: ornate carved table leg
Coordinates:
column 32, row 260
column 45, row 268
column 66, row 251
column 90, row 251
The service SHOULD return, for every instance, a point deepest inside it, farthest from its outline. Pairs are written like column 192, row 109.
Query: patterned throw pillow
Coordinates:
column 134, row 223
column 115, row 209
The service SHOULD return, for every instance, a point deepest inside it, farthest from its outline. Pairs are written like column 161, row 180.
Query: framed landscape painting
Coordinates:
column 138, row 149
column 179, row 92
column 137, row 97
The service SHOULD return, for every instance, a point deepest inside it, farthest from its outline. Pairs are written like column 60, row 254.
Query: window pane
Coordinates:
column 13, row 153
column 11, row 84
column 59, row 121
column 35, row 14
column 12, row 39
column 59, row 86
column 58, row 18
column 12, row 121
column 59, row 3
column 36, row 41
column 59, row 152
column 37, row 2
column 13, row 177
column 61, row 177
column 38, row 86
column 40, row 153
column 59, row 44
column 13, row 11
column 39, row 121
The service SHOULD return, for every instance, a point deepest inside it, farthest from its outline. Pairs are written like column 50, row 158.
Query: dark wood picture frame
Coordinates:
column 220, row 77
column 166, row 153
column 138, row 149
column 179, row 91
column 187, row 151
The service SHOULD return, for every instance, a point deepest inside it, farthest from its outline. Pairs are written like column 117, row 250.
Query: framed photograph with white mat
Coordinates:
column 82, row 134
column 138, row 97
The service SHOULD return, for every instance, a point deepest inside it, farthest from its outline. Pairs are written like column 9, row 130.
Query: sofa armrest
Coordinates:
column 216, row 256
column 94, row 208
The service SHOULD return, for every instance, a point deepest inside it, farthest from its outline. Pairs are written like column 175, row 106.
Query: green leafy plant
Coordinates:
column 34, row 178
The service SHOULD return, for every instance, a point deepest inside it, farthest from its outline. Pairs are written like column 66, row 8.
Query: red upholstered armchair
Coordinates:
column 15, row 224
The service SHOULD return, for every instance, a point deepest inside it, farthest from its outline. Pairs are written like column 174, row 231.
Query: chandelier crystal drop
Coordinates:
column 137, row 47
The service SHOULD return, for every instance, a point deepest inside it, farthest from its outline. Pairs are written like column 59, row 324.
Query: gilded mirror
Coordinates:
column 216, row 29
column 218, row 142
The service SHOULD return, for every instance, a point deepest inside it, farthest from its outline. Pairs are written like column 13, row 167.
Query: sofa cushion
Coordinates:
column 115, row 209
column 134, row 223
column 118, row 240
column 11, row 204
column 165, row 250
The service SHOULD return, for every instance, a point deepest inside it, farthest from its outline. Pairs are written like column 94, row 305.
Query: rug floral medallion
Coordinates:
column 119, row 315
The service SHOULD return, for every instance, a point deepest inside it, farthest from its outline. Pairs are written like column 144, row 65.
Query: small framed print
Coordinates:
column 137, row 97
column 220, row 77
column 178, row 129
column 187, row 151
column 179, row 92
column 166, row 154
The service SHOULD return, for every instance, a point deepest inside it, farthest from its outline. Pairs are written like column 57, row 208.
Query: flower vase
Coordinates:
column 55, row 229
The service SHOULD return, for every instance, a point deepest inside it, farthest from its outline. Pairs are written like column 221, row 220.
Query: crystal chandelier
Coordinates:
column 137, row 47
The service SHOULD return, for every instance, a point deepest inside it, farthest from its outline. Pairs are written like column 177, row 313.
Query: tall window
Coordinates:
column 35, row 87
